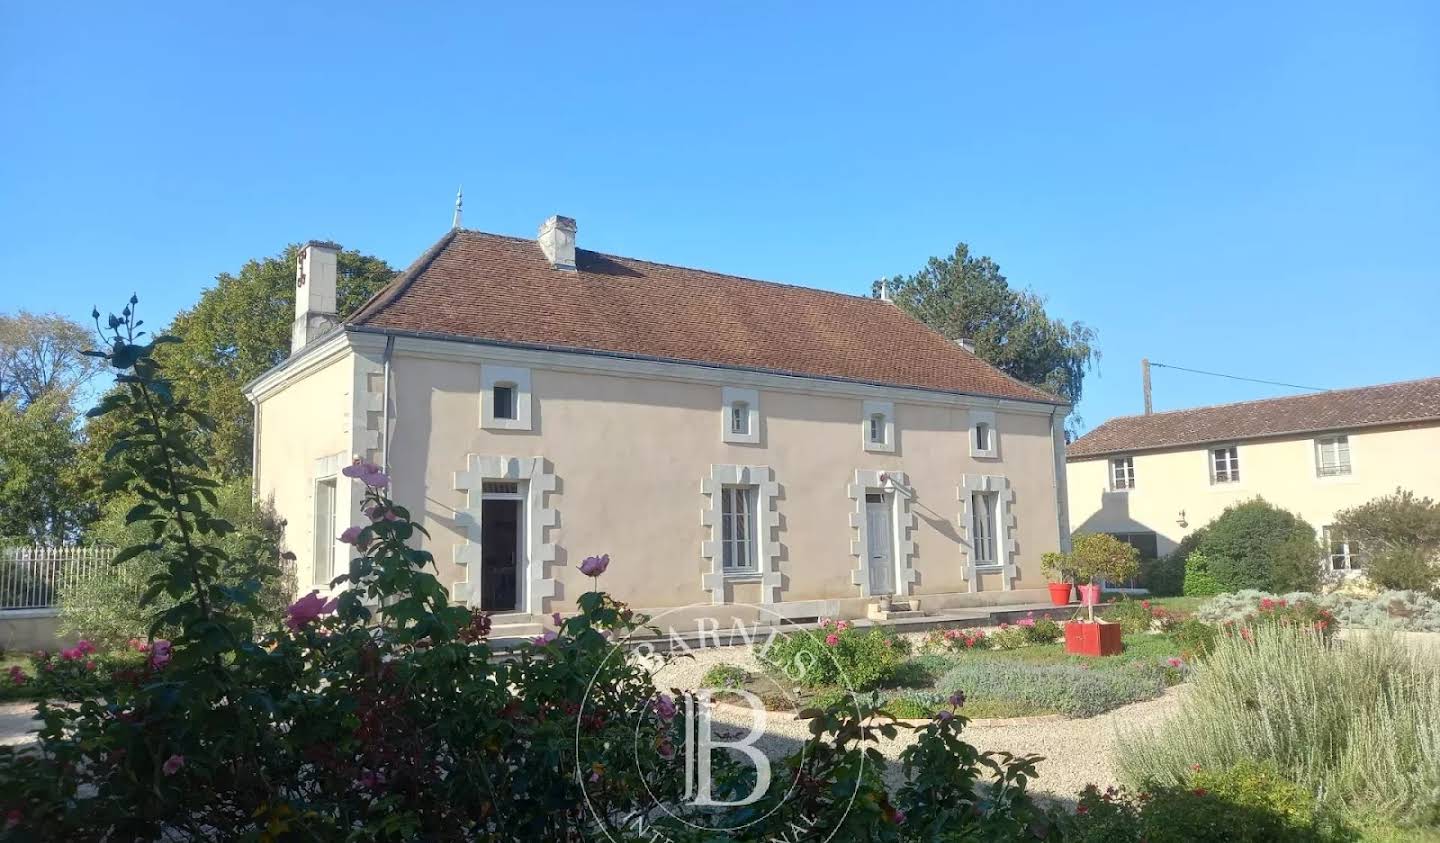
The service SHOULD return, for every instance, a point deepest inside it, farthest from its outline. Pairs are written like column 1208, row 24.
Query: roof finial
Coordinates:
column 459, row 206
column 884, row 288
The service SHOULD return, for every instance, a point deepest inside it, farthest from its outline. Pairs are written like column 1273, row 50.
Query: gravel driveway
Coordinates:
column 1077, row 752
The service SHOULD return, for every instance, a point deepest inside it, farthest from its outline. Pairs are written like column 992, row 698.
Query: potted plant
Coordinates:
column 1056, row 567
column 1098, row 557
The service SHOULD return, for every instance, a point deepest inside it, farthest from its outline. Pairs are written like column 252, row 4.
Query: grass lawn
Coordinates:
column 1181, row 605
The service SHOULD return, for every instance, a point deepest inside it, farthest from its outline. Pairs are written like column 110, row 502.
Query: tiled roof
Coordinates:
column 1340, row 409
column 502, row 289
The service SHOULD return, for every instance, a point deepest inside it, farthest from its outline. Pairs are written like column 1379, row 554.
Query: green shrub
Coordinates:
column 1199, row 582
column 1248, row 803
column 837, row 654
column 1402, row 569
column 107, row 610
column 1009, row 637
column 1042, row 630
column 1132, row 615
column 1354, row 724
column 1164, row 577
column 1400, row 535
column 1295, row 564
column 726, row 676
column 1255, row 544
column 1100, row 556
column 1195, row 637
column 1072, row 689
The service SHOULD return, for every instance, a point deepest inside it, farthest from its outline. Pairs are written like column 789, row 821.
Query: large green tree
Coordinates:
column 239, row 328
column 966, row 297
column 44, row 495
column 41, row 354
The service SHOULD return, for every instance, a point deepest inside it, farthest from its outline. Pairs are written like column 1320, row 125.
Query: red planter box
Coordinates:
column 1093, row 639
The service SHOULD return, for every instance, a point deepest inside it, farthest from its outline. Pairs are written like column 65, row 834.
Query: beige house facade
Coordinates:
column 729, row 443
column 1153, row 479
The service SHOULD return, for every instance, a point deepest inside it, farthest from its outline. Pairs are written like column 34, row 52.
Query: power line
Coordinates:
column 1239, row 378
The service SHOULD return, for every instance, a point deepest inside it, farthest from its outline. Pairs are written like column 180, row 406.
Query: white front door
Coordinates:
column 880, row 535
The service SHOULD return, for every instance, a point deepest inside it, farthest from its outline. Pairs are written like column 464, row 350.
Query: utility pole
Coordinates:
column 1145, row 379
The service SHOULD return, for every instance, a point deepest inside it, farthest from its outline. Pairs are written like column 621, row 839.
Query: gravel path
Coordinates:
column 17, row 723
column 1077, row 752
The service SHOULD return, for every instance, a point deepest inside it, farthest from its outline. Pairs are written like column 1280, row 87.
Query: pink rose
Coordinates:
column 85, row 647
column 832, row 639
column 90, row 665
column 667, row 750
column 842, row 625
column 172, row 765
column 17, row 676
column 594, row 566
column 351, row 535
column 1175, row 662
column 307, row 609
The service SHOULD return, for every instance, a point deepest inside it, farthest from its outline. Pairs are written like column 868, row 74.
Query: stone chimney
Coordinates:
column 557, row 241
column 315, row 272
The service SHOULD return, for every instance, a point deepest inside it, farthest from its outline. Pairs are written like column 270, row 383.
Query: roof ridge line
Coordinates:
column 1267, row 400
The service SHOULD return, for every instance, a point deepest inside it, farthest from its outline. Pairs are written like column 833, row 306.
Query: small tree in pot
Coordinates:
column 1097, row 557
column 1056, row 567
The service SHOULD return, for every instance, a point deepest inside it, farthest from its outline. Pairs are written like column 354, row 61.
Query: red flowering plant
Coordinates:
column 1299, row 613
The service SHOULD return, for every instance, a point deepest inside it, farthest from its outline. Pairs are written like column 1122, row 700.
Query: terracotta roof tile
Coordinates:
column 502, row 289
column 1340, row 409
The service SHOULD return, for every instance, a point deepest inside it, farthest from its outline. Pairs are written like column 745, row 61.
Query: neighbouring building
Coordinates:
column 726, row 441
column 1151, row 479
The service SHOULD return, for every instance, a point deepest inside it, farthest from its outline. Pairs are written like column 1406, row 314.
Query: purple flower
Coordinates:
column 594, row 566
column 172, row 765
column 544, row 638
column 667, row 750
column 359, row 468
column 160, row 653
column 898, row 817
column 944, row 716
column 307, row 609
column 351, row 535
column 957, row 699
column 665, row 707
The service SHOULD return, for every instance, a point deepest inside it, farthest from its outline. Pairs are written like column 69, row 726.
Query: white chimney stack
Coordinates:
column 557, row 241
column 315, row 273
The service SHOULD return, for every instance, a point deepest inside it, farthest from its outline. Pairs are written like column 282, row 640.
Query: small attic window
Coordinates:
column 739, row 416
column 877, row 426
column 504, row 398
column 984, row 436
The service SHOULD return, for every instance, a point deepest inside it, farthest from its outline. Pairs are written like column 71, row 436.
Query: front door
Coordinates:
column 500, row 556
column 880, row 533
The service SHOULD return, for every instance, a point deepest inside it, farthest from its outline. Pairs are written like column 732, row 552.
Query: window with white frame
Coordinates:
column 1344, row 555
column 737, row 529
column 984, row 509
column 1225, row 465
column 1332, row 456
column 325, row 536
column 1122, row 474
column 505, row 399
column 740, row 416
column 984, row 437
column 877, row 423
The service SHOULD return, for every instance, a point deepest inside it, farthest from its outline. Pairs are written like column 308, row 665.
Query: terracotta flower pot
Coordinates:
column 1097, row 638
column 1090, row 594
column 1059, row 593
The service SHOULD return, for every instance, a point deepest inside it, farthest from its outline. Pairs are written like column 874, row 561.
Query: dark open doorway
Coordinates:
column 500, row 555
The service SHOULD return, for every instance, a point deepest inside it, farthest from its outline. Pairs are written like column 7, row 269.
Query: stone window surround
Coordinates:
column 729, row 397
column 767, row 521
column 895, row 482
column 985, row 417
column 540, row 481
column 881, row 408
column 514, row 376
column 1005, row 543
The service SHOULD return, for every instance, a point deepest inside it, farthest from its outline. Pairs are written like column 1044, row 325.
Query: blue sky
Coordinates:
column 1247, row 190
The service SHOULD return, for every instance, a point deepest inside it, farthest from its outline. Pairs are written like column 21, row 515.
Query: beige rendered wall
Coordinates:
column 1281, row 471
column 305, row 421
column 630, row 454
